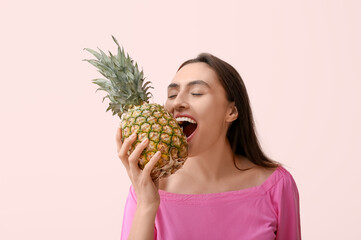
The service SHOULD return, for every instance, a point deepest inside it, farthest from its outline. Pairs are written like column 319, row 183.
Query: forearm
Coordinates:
column 143, row 223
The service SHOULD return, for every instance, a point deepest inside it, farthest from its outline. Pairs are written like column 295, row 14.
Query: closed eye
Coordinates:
column 194, row 94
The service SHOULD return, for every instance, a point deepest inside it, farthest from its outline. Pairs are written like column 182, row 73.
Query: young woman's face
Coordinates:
column 198, row 101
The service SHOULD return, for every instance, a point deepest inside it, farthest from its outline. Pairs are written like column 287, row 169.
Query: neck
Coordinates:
column 213, row 164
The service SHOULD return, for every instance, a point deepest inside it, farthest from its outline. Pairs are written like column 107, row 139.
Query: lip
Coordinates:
column 191, row 136
column 191, row 117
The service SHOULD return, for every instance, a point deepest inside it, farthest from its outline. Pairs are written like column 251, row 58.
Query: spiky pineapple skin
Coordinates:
column 129, row 99
column 152, row 121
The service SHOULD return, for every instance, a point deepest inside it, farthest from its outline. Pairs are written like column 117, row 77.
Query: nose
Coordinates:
column 181, row 102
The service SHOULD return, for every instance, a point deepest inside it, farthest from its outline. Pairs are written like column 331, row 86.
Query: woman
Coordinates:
column 227, row 188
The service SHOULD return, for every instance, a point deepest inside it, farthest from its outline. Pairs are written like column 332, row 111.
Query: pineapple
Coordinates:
column 128, row 95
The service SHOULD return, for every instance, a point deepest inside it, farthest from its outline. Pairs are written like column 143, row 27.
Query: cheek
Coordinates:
column 214, row 108
column 213, row 113
column 167, row 106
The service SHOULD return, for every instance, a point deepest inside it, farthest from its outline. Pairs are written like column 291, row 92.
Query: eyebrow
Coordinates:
column 192, row 83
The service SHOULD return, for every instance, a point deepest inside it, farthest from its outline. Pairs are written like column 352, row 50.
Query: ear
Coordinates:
column 232, row 113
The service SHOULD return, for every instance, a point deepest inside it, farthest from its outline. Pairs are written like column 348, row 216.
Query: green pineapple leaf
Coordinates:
column 122, row 80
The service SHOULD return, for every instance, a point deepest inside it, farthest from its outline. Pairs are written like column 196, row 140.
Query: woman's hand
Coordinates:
column 146, row 190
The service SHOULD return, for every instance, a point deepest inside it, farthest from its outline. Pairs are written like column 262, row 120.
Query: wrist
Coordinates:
column 147, row 208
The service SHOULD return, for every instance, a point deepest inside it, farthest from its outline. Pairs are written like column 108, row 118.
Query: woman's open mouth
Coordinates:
column 188, row 126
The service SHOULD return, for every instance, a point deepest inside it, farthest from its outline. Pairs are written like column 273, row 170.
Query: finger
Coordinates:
column 152, row 162
column 134, row 156
column 123, row 152
column 118, row 139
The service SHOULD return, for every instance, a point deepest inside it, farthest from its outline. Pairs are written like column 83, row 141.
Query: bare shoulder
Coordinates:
column 265, row 173
column 176, row 182
column 257, row 174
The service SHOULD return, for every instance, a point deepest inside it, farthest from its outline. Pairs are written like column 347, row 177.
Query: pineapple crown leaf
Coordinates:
column 122, row 80
column 97, row 55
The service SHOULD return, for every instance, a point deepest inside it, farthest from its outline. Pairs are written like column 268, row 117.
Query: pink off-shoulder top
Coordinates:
column 265, row 212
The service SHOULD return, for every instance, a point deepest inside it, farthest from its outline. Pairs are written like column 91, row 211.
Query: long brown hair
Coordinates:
column 241, row 134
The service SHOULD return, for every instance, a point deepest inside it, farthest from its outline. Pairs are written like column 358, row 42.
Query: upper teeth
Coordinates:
column 183, row 119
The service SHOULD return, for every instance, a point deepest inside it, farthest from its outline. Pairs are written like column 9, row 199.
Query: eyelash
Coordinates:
column 194, row 94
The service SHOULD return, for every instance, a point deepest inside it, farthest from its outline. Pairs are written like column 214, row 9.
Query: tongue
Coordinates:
column 189, row 129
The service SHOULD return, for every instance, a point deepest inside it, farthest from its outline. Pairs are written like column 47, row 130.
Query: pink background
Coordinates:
column 60, row 177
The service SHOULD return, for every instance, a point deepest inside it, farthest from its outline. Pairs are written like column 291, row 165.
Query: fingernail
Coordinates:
column 133, row 135
column 144, row 140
